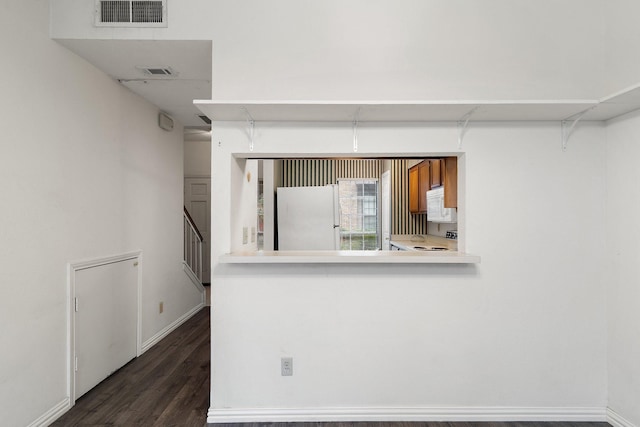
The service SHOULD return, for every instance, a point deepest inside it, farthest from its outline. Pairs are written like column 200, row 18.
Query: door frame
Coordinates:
column 72, row 268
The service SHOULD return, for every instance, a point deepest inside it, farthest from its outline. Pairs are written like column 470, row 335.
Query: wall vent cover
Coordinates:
column 142, row 13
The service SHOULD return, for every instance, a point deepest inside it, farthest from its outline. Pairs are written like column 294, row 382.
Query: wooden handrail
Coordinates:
column 193, row 223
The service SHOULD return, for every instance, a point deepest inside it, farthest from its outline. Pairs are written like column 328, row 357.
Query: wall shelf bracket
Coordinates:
column 251, row 127
column 462, row 125
column 355, row 130
column 569, row 125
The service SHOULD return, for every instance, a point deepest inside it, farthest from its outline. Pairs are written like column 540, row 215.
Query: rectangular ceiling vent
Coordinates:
column 143, row 13
column 158, row 71
column 205, row 119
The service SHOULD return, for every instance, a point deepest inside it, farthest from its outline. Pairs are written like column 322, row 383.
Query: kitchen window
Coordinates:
column 358, row 214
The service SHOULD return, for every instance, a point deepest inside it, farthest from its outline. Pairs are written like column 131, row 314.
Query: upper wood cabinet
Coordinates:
column 424, row 185
column 450, row 182
column 419, row 183
column 414, row 182
column 437, row 166
column 432, row 173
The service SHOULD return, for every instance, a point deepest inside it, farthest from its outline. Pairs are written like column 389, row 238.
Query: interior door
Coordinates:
column 106, row 321
column 197, row 199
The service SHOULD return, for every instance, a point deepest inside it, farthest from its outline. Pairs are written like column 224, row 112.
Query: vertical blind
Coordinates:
column 402, row 221
column 319, row 172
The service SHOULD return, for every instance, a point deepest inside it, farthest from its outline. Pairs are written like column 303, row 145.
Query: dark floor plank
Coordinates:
column 168, row 385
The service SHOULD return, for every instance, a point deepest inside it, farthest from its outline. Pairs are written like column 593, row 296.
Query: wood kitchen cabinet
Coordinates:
column 450, row 182
column 424, row 185
column 432, row 173
column 437, row 169
column 414, row 182
column 419, row 183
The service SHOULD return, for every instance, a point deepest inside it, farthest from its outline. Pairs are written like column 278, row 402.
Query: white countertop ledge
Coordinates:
column 349, row 257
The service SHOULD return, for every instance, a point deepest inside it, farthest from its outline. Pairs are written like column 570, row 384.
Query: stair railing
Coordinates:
column 192, row 245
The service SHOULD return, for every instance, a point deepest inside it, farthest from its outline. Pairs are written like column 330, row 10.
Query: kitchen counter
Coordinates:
column 407, row 243
column 406, row 255
column 349, row 257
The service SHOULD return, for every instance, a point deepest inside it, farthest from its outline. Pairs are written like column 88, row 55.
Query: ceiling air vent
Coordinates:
column 205, row 119
column 143, row 13
column 158, row 71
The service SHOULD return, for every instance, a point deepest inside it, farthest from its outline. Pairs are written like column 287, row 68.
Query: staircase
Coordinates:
column 192, row 248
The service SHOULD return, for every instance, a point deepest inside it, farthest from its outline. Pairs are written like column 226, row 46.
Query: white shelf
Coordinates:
column 371, row 111
column 349, row 257
column 615, row 105
column 421, row 111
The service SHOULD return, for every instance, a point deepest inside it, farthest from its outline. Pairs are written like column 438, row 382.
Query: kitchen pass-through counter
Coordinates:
column 405, row 254
column 424, row 243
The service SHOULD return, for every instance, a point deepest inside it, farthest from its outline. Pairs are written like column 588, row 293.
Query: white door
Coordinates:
column 106, row 321
column 385, row 214
column 197, row 199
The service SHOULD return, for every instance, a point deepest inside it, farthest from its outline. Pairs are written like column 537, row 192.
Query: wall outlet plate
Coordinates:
column 286, row 366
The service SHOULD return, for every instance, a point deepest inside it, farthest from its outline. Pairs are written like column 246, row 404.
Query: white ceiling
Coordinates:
column 123, row 60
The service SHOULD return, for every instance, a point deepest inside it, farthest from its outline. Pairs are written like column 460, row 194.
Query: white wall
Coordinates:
column 525, row 329
column 408, row 49
column 84, row 172
column 197, row 157
column 622, row 41
column 622, row 274
column 243, row 205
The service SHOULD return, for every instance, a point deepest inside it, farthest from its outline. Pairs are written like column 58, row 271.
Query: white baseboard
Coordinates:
column 617, row 420
column 170, row 328
column 405, row 414
column 52, row 414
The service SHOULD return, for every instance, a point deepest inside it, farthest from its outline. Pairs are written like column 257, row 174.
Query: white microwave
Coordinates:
column 436, row 212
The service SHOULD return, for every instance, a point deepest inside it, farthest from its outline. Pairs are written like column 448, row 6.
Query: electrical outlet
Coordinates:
column 286, row 366
column 161, row 307
column 253, row 234
column 245, row 235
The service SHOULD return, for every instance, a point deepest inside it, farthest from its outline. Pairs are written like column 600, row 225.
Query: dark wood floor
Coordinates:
column 166, row 386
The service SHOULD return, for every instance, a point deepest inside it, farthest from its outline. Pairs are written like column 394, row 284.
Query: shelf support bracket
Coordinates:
column 462, row 125
column 569, row 125
column 355, row 131
column 251, row 124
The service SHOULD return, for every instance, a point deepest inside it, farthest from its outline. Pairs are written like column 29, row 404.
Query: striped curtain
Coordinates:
column 402, row 221
column 320, row 172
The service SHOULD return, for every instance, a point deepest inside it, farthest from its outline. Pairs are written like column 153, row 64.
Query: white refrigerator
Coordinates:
column 308, row 218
